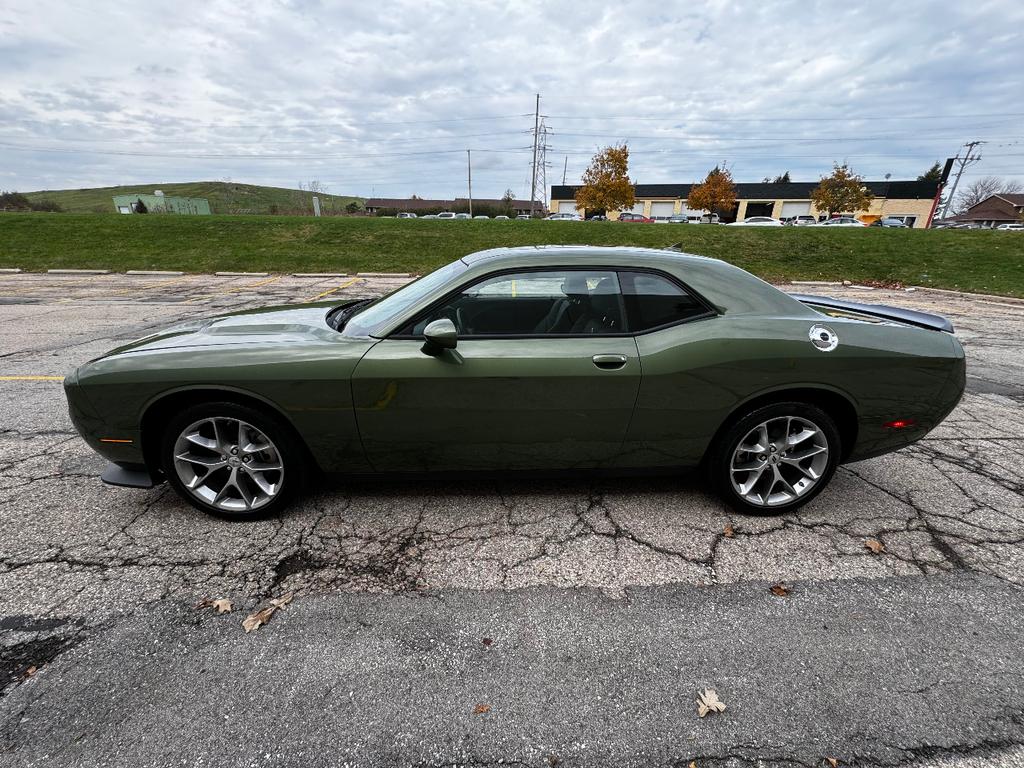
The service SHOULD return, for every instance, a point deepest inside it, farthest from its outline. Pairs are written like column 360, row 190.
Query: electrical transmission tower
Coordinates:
column 539, row 166
column 968, row 159
column 542, row 164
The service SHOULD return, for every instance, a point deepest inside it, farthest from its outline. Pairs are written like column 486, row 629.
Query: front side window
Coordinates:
column 548, row 303
column 653, row 300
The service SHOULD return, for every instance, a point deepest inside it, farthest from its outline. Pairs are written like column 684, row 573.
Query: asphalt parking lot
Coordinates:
column 606, row 604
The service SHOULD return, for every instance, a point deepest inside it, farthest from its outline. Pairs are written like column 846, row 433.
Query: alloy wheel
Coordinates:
column 778, row 461
column 228, row 464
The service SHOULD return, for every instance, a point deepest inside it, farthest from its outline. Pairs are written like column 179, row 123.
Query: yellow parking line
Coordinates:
column 235, row 290
column 31, row 378
column 341, row 287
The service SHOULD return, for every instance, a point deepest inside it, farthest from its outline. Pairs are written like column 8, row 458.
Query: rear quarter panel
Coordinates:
column 698, row 375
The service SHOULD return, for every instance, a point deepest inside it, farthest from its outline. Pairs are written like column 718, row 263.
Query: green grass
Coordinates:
column 224, row 196
column 987, row 262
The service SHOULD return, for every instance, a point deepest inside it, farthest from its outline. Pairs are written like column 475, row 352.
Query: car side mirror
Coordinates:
column 439, row 335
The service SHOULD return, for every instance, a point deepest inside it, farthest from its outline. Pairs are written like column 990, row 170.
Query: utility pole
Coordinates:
column 963, row 162
column 469, row 176
column 564, row 169
column 533, row 176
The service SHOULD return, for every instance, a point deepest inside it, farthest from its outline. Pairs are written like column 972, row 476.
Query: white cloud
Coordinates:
column 365, row 97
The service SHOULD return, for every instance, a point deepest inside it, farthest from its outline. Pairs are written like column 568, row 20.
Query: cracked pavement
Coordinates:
column 93, row 577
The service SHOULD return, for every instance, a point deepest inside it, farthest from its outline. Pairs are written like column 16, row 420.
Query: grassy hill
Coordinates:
column 972, row 260
column 225, row 197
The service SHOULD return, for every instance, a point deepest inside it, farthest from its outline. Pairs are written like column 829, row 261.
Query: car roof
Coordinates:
column 727, row 287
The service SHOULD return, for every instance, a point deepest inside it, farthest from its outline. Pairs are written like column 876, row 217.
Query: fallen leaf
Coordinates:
column 832, row 761
column 282, row 601
column 779, row 590
column 481, row 709
column 728, row 532
column 222, row 605
column 875, row 546
column 693, row 764
column 708, row 701
column 488, row 642
column 31, row 671
column 258, row 619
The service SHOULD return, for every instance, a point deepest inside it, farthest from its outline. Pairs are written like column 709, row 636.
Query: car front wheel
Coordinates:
column 232, row 461
column 775, row 458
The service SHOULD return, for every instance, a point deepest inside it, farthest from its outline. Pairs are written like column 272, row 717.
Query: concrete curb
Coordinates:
column 982, row 296
column 9, row 270
column 383, row 274
column 241, row 274
column 320, row 274
column 168, row 272
column 814, row 282
column 78, row 271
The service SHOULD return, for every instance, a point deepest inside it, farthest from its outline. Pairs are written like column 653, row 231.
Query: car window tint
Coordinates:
column 654, row 300
column 563, row 302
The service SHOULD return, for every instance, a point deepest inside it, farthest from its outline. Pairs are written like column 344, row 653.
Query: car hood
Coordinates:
column 270, row 325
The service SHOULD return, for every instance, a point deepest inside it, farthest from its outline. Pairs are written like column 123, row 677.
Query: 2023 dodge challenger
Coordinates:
column 539, row 358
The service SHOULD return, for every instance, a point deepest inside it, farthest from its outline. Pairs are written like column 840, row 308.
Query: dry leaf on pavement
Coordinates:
column 258, row 619
column 31, row 671
column 282, row 601
column 832, row 761
column 261, row 617
column 728, row 531
column 708, row 701
column 222, row 606
column 875, row 546
column 488, row 642
column 779, row 590
column 481, row 709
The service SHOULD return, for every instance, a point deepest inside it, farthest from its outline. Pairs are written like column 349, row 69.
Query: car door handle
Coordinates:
column 609, row 362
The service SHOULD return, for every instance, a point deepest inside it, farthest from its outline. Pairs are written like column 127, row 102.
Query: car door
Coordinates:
column 544, row 376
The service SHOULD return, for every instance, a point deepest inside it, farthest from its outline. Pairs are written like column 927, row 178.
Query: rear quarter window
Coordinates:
column 653, row 301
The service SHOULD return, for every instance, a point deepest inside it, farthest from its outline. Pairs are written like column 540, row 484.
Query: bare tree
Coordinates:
column 983, row 188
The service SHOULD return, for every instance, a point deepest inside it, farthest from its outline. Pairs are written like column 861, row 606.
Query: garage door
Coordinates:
column 662, row 210
column 795, row 209
column 568, row 207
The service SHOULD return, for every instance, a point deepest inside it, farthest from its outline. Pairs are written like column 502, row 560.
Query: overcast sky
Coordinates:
column 384, row 98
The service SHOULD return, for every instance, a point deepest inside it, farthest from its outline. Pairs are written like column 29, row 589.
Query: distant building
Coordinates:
column 993, row 211
column 158, row 202
column 414, row 204
column 909, row 201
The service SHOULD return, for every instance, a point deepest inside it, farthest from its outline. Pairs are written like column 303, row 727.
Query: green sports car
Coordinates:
column 534, row 358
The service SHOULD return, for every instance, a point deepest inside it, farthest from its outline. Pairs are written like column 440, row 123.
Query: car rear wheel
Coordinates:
column 775, row 458
column 232, row 461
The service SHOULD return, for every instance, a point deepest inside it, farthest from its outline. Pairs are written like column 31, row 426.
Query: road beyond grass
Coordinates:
column 984, row 262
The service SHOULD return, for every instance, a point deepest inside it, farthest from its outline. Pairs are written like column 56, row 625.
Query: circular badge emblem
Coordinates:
column 823, row 338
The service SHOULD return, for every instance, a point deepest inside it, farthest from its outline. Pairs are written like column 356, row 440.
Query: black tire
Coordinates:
column 292, row 456
column 722, row 451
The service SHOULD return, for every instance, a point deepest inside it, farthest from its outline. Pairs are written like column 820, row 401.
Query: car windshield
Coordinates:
column 376, row 314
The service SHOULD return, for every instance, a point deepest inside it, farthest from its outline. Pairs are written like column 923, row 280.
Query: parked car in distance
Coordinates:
column 504, row 218
column 675, row 218
column 523, row 216
column 803, row 220
column 534, row 358
column 706, row 218
column 463, row 216
column 842, row 221
column 598, row 217
column 1010, row 228
column 481, row 217
column 563, row 217
column 446, row 215
column 757, row 221
column 429, row 216
column 893, row 223
column 634, row 218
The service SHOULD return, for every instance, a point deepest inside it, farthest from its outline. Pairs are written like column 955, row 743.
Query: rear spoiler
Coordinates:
column 908, row 316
